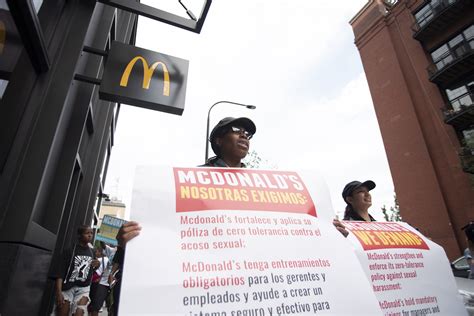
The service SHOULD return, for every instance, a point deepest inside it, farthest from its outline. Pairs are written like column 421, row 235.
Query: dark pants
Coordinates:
column 98, row 294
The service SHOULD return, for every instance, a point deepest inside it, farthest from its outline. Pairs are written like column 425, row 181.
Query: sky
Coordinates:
column 296, row 61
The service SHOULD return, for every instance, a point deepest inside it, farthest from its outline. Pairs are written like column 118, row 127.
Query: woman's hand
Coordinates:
column 340, row 227
column 95, row 263
column 111, row 278
column 127, row 232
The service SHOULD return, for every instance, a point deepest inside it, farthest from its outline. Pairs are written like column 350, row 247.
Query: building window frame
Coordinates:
column 432, row 9
column 459, row 100
column 453, row 52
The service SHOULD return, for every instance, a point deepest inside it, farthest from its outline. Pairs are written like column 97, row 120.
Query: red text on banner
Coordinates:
column 200, row 189
column 385, row 235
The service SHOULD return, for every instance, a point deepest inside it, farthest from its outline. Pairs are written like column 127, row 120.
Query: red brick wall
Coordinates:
column 434, row 193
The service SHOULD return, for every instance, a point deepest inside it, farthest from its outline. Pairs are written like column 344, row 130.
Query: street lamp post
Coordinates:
column 248, row 106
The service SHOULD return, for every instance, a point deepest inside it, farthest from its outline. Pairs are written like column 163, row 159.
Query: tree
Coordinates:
column 392, row 215
column 253, row 160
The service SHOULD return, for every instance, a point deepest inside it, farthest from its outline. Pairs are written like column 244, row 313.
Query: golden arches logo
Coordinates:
column 3, row 35
column 147, row 74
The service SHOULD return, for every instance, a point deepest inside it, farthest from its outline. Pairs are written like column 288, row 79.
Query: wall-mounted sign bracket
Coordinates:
column 88, row 79
column 160, row 15
column 95, row 51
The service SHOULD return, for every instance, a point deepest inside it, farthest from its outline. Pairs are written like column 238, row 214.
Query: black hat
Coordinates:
column 221, row 128
column 351, row 186
column 469, row 230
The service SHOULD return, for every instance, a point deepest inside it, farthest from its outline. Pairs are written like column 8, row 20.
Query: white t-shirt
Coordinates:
column 103, row 270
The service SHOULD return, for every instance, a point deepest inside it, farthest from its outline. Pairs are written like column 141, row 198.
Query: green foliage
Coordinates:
column 393, row 214
column 253, row 160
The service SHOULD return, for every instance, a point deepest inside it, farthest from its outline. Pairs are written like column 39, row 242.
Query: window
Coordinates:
column 455, row 48
column 462, row 96
column 469, row 35
column 469, row 32
column 455, row 41
column 3, row 86
column 10, row 43
column 98, row 203
column 430, row 10
column 105, row 163
column 10, row 49
column 423, row 16
column 442, row 57
column 116, row 112
column 37, row 4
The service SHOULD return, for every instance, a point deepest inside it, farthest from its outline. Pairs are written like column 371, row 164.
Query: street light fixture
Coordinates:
column 248, row 106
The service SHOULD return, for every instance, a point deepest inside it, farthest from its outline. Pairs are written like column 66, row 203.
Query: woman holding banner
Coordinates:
column 357, row 196
column 230, row 141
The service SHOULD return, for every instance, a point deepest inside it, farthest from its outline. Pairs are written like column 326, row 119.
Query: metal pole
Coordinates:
column 251, row 107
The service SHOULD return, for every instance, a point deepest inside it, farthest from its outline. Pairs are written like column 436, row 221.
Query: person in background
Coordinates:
column 99, row 286
column 73, row 278
column 108, row 251
column 469, row 231
column 357, row 196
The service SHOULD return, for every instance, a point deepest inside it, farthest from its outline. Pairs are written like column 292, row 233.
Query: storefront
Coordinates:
column 56, row 136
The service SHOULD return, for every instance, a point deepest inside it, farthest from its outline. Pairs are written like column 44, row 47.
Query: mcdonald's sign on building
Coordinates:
column 144, row 78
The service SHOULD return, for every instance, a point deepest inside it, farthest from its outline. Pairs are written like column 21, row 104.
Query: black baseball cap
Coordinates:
column 469, row 231
column 226, row 122
column 351, row 186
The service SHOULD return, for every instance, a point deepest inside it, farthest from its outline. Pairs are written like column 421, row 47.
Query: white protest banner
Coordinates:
column 238, row 242
column 410, row 274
